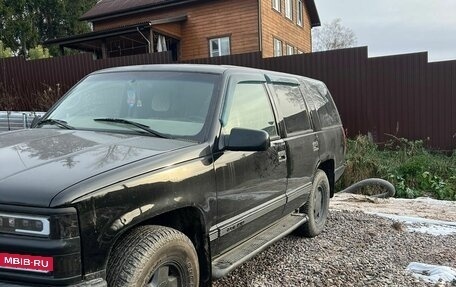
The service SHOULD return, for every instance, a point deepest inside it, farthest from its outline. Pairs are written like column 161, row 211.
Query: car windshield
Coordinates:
column 165, row 104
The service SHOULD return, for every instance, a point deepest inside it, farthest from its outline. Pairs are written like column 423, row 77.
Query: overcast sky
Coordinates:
column 398, row 26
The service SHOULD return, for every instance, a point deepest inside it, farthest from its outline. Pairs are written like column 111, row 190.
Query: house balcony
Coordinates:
column 149, row 37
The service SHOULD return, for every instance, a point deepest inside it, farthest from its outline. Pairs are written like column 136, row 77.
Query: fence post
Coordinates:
column 8, row 119
column 24, row 120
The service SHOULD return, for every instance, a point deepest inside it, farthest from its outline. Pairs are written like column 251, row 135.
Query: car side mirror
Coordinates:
column 247, row 140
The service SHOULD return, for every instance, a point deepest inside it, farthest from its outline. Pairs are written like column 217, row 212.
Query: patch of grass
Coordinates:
column 412, row 169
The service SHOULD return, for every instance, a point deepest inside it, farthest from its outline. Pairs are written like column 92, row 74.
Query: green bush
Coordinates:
column 39, row 52
column 5, row 52
column 412, row 169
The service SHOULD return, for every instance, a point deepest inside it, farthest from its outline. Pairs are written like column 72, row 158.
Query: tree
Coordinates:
column 5, row 52
column 25, row 24
column 333, row 36
column 18, row 29
column 60, row 18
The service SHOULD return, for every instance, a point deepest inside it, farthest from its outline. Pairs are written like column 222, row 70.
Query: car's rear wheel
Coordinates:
column 152, row 256
column 317, row 207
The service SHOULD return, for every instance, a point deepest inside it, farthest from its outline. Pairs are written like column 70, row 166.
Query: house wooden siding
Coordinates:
column 170, row 29
column 245, row 22
column 276, row 25
column 237, row 19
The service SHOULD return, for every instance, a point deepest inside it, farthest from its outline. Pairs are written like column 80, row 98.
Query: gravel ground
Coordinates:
column 421, row 207
column 356, row 249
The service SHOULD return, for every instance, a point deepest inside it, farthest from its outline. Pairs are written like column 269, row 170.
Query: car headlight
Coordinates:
column 54, row 226
column 24, row 224
column 40, row 241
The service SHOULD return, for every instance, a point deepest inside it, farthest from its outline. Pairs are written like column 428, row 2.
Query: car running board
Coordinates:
column 224, row 264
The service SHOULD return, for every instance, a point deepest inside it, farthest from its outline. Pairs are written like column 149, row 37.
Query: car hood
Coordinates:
column 37, row 164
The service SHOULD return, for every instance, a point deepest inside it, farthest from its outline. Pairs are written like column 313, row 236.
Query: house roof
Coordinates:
column 97, row 34
column 313, row 13
column 106, row 9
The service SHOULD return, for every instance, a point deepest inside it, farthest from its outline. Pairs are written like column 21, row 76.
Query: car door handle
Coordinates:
column 282, row 155
column 316, row 146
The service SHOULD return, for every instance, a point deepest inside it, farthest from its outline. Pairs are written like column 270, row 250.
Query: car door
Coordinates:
column 300, row 139
column 330, row 133
column 250, row 185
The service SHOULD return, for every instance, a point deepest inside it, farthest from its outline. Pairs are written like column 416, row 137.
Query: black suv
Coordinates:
column 166, row 175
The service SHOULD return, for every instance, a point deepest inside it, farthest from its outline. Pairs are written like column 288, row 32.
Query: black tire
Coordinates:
column 317, row 207
column 152, row 256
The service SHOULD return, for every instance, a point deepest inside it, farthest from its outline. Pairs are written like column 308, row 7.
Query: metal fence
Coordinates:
column 401, row 96
column 16, row 120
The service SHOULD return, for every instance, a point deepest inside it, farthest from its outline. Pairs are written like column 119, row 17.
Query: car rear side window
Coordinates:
column 320, row 98
column 250, row 108
column 293, row 108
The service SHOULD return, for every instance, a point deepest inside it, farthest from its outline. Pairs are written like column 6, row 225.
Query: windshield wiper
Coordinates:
column 132, row 123
column 59, row 123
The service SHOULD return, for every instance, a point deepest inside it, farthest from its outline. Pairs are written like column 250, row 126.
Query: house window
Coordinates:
column 219, row 47
column 277, row 48
column 289, row 9
column 290, row 50
column 300, row 8
column 276, row 4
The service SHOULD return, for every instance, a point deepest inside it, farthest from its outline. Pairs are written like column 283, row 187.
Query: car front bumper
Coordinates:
column 92, row 283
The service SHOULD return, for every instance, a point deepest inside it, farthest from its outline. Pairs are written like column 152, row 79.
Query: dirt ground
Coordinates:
column 422, row 207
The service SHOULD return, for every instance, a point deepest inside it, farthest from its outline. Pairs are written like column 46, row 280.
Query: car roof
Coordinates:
column 203, row 68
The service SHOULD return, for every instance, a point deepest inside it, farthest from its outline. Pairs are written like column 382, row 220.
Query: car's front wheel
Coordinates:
column 152, row 256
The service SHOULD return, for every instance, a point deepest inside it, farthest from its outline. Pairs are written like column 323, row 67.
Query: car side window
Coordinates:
column 319, row 96
column 293, row 108
column 250, row 108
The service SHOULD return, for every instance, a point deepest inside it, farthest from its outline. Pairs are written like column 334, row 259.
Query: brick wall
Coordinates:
column 276, row 25
column 237, row 19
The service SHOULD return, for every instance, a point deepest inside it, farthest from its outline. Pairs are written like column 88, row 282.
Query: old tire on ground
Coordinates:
column 317, row 207
column 153, row 256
